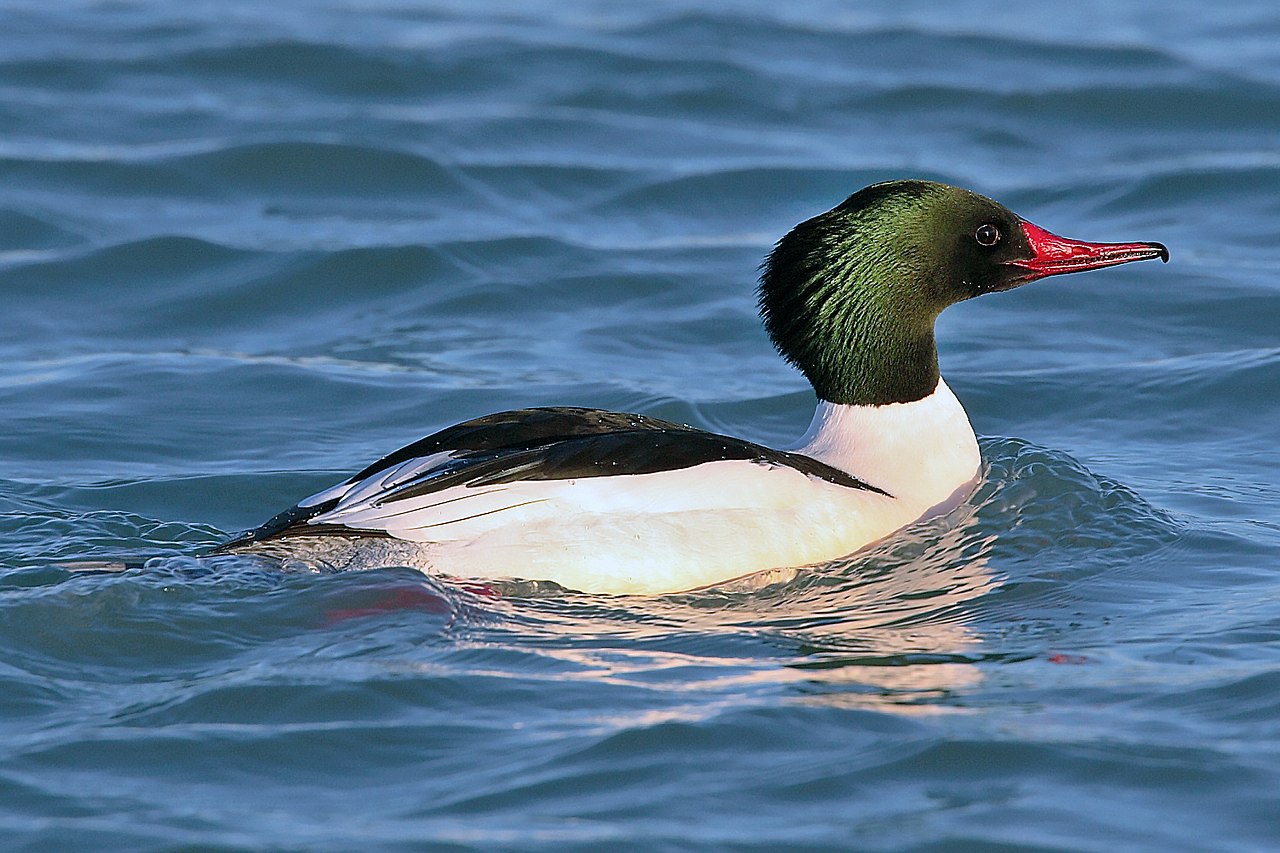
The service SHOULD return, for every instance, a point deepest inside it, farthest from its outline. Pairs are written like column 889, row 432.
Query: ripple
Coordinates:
column 19, row 230
column 243, row 252
column 312, row 168
column 754, row 193
column 1235, row 182
column 313, row 66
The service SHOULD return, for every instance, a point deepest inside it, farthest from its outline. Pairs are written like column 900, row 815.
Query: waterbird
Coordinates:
column 618, row 503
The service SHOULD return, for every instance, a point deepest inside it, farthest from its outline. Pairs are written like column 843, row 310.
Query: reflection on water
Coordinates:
column 886, row 629
column 896, row 628
column 892, row 628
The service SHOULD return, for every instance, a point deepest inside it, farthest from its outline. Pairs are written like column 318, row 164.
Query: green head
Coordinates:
column 850, row 297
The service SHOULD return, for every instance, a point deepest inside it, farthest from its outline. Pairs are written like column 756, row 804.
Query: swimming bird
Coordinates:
column 608, row 502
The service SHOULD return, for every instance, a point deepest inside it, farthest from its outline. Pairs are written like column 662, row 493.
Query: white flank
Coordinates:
column 923, row 453
column 677, row 530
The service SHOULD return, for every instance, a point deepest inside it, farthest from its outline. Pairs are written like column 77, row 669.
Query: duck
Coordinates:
column 628, row 504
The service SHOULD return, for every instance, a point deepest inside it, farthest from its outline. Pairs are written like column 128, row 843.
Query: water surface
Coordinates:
column 247, row 248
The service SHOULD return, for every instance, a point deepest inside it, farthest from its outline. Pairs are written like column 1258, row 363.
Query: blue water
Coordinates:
column 246, row 248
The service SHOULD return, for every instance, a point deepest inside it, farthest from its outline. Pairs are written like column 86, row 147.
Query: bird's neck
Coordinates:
column 858, row 323
column 880, row 364
column 924, row 452
column 856, row 347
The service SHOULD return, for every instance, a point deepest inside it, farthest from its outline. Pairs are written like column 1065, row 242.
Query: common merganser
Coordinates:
column 606, row 502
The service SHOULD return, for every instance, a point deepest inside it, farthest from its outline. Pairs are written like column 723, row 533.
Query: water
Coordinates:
column 247, row 248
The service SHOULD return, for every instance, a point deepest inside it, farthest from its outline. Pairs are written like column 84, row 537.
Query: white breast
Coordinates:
column 923, row 453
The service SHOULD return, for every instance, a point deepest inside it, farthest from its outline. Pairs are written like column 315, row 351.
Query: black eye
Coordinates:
column 987, row 235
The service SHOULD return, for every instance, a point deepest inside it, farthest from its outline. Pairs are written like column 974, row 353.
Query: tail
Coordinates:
column 100, row 565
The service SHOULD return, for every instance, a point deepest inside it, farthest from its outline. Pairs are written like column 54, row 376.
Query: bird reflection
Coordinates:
column 886, row 629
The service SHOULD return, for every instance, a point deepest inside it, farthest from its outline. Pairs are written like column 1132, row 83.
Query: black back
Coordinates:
column 559, row 443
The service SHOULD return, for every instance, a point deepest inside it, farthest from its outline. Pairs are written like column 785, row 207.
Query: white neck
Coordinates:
column 923, row 453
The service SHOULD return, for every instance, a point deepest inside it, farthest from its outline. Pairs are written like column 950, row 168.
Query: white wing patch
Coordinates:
column 381, row 482
column 365, row 505
column 422, row 518
column 464, row 513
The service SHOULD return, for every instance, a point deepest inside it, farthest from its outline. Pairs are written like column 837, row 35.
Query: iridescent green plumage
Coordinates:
column 850, row 296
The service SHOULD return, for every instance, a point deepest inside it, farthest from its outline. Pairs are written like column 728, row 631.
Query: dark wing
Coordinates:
column 528, row 444
column 522, row 429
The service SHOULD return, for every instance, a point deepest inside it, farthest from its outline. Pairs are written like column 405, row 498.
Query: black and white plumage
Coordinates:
column 622, row 503
column 541, row 444
column 527, row 469
column 615, row 502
